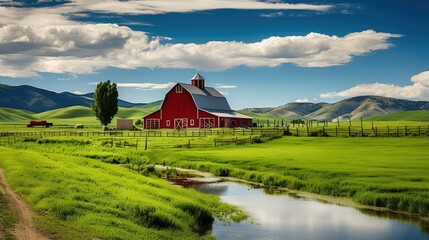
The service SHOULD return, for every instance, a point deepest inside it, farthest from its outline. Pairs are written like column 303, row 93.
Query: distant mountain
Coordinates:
column 39, row 100
column 354, row 108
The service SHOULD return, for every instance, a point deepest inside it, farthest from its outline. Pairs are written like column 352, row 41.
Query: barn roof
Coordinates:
column 207, row 98
column 228, row 114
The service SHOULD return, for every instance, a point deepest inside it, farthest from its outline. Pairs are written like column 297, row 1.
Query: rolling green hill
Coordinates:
column 14, row 115
column 73, row 115
column 419, row 115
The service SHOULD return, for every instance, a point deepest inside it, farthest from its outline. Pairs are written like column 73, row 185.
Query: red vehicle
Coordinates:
column 42, row 123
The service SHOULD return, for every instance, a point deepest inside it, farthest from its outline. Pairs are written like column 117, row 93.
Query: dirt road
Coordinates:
column 25, row 228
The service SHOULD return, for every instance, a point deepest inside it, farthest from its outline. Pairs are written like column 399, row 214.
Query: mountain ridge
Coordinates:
column 38, row 100
column 350, row 108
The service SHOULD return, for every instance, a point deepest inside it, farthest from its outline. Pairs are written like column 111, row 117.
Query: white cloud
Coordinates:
column 168, row 6
column 272, row 15
column 418, row 90
column 60, row 14
column 223, row 86
column 78, row 92
column 302, row 100
column 147, row 86
column 26, row 50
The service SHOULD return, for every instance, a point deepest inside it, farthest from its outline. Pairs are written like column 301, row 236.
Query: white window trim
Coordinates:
column 179, row 89
column 167, row 123
column 192, row 122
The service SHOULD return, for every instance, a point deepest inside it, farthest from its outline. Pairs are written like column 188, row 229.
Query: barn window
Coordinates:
column 179, row 89
column 192, row 122
column 168, row 123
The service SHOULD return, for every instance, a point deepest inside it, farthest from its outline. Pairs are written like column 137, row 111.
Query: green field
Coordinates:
column 96, row 186
column 383, row 172
column 83, row 198
column 420, row 115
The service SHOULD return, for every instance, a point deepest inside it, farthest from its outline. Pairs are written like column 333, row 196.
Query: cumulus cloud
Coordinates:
column 419, row 89
column 302, row 100
column 77, row 92
column 26, row 50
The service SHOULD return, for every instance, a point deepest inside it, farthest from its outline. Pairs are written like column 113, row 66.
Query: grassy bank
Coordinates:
column 383, row 172
column 82, row 198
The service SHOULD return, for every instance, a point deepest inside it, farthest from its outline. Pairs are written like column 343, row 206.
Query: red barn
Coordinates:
column 195, row 106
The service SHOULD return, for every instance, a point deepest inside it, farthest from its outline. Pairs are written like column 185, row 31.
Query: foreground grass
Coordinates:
column 82, row 198
column 382, row 172
column 7, row 219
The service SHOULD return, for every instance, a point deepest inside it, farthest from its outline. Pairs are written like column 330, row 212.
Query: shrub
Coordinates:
column 147, row 216
column 202, row 216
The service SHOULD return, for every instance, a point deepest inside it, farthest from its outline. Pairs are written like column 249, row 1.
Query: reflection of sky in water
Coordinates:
column 283, row 217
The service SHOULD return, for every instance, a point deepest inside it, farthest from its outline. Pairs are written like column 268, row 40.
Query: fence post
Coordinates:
column 323, row 130
column 215, row 142
column 297, row 131
column 376, row 131
column 419, row 130
column 406, row 130
column 189, row 143
column 145, row 143
column 361, row 127
column 336, row 131
column 137, row 143
column 349, row 132
column 388, row 131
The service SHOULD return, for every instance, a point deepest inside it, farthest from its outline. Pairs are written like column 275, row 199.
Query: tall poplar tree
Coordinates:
column 105, row 103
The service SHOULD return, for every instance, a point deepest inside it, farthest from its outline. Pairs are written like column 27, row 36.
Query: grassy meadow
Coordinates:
column 84, row 187
column 82, row 198
column 382, row 172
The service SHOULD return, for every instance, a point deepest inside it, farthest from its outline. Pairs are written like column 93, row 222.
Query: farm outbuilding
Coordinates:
column 124, row 124
column 195, row 106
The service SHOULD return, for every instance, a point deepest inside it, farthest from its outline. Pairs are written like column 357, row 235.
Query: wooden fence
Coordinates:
column 142, row 139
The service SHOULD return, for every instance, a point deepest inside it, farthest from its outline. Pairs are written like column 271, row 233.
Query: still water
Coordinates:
column 283, row 216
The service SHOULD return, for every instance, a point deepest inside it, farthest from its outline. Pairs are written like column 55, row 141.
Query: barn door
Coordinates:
column 207, row 123
column 180, row 123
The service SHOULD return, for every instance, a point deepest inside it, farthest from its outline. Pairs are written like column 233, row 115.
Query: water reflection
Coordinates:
column 279, row 216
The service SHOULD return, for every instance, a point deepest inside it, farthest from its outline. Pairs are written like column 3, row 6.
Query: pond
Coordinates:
column 279, row 215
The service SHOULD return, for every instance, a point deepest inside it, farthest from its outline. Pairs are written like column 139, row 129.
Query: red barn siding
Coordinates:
column 178, row 105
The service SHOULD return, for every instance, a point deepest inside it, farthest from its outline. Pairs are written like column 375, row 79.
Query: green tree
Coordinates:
column 139, row 122
column 105, row 103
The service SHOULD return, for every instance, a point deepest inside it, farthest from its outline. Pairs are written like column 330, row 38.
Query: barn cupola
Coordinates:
column 198, row 81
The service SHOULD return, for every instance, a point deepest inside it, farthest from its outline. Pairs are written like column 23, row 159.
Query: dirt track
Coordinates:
column 25, row 228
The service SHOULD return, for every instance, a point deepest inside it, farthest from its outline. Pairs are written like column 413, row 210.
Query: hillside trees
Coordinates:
column 105, row 103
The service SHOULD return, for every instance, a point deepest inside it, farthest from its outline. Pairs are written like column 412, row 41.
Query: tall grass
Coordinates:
column 76, row 194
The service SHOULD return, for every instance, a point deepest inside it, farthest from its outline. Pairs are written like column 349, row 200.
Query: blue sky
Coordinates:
column 258, row 53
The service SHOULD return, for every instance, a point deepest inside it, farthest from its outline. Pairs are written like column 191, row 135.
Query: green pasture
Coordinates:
column 81, row 197
column 420, row 115
column 383, row 172
column 388, row 172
